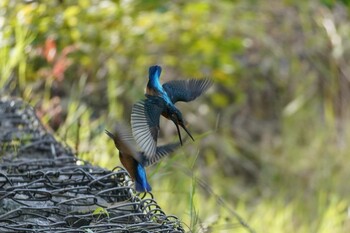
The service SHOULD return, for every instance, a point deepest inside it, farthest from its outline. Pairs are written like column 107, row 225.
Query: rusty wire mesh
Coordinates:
column 45, row 188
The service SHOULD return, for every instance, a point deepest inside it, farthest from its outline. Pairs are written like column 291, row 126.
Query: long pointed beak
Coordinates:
column 178, row 132
column 188, row 132
column 109, row 134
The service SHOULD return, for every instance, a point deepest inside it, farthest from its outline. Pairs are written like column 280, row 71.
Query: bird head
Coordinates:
column 177, row 118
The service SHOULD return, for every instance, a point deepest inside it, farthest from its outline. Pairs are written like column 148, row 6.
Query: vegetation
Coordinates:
column 272, row 139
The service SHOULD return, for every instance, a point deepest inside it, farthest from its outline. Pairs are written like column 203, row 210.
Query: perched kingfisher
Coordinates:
column 160, row 100
column 134, row 161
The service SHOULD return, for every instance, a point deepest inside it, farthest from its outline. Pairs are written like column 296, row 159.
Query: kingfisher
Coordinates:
column 160, row 100
column 135, row 161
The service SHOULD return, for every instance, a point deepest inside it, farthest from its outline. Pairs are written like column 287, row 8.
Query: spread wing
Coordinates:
column 186, row 90
column 161, row 152
column 124, row 141
column 145, row 117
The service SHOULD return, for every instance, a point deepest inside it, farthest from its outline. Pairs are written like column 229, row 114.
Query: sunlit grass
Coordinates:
column 293, row 181
column 298, row 198
column 14, row 55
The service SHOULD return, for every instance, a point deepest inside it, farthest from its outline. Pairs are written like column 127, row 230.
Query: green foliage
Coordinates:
column 100, row 211
column 272, row 139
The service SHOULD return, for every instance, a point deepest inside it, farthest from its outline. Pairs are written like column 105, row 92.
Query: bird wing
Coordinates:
column 161, row 152
column 124, row 141
column 186, row 90
column 145, row 117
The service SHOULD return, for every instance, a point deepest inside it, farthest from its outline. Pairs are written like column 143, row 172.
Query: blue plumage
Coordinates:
column 134, row 161
column 153, row 76
column 141, row 183
column 160, row 100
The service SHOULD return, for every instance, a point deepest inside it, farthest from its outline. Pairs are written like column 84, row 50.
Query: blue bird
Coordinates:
column 160, row 100
column 134, row 161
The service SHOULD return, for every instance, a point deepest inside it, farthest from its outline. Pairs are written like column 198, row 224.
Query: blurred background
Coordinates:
column 272, row 141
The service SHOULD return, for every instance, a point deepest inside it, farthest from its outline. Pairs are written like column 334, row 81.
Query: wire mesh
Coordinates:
column 45, row 188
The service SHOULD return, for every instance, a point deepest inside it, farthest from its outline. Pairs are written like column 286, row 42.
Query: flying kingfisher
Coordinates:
column 134, row 161
column 160, row 100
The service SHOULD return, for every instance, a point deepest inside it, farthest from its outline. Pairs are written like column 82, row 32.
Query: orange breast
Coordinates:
column 151, row 91
column 129, row 163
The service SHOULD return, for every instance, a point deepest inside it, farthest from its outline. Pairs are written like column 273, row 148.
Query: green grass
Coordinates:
column 272, row 142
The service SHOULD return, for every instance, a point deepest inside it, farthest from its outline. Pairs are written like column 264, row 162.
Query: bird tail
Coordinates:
column 142, row 187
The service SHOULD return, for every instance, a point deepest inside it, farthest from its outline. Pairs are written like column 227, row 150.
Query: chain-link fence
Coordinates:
column 45, row 188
